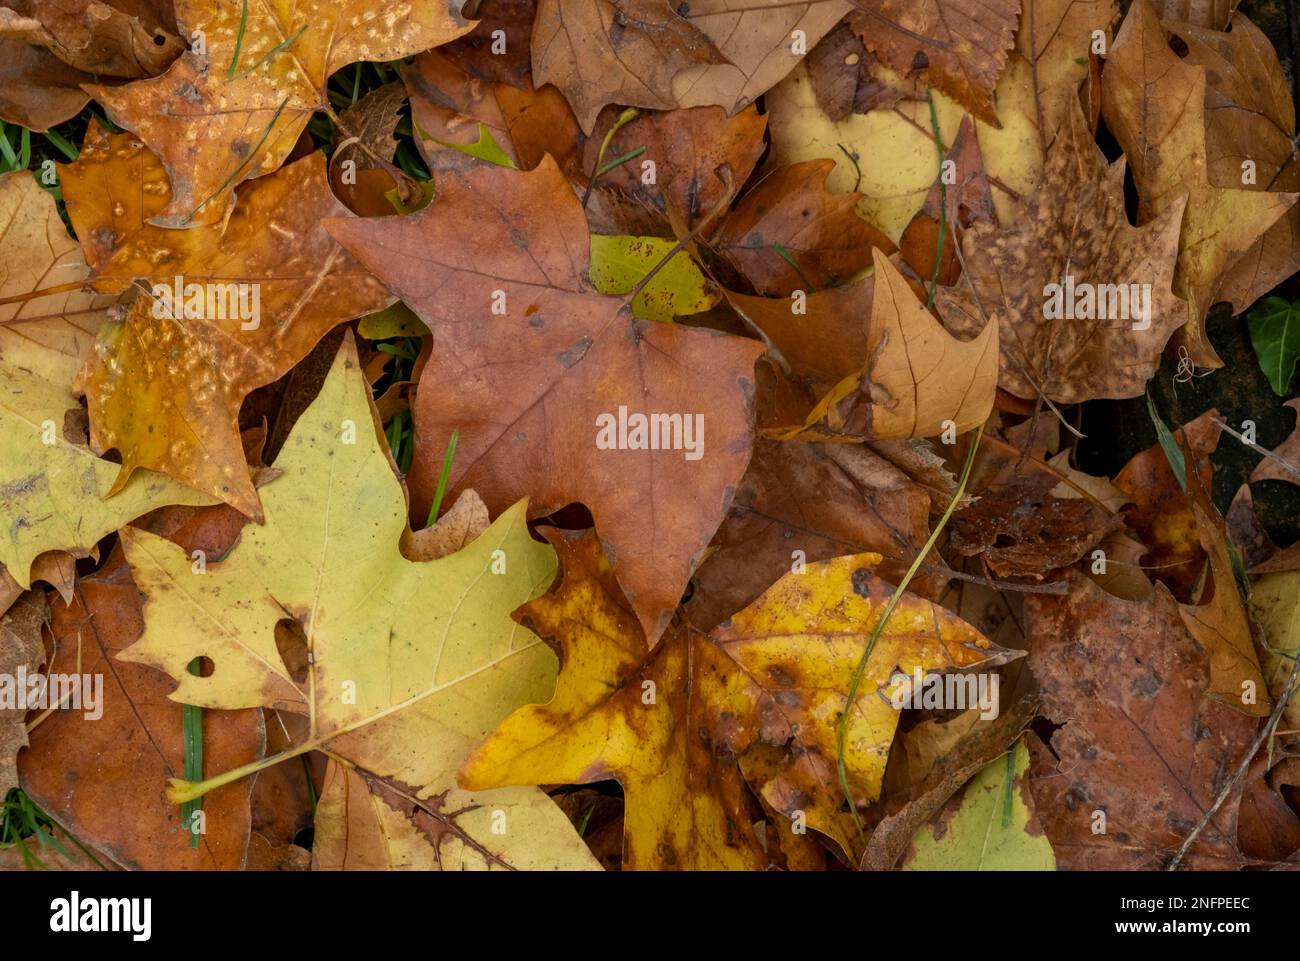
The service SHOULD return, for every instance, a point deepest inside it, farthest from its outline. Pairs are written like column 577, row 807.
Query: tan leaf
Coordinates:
column 917, row 380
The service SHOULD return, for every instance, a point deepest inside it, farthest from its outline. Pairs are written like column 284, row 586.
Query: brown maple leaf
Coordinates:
column 530, row 366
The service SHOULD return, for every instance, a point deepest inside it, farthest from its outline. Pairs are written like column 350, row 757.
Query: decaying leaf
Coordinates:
column 1155, row 105
column 1124, row 683
column 456, row 113
column 1083, row 299
column 763, row 690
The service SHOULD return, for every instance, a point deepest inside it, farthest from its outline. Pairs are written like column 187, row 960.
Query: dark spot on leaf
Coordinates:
column 575, row 353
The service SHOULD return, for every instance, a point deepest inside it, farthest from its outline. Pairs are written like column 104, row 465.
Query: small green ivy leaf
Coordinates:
column 1275, row 332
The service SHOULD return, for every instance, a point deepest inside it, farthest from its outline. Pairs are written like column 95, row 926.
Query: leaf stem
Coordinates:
column 943, row 204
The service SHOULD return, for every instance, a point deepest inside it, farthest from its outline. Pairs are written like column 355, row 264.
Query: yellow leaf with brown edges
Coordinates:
column 761, row 694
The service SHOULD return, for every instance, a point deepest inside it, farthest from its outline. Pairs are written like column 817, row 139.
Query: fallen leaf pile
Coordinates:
column 611, row 434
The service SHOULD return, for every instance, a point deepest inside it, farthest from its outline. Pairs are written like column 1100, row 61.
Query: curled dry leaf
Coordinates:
column 650, row 53
column 918, row 380
column 615, row 51
column 1155, row 105
column 117, row 38
column 1161, row 513
column 37, row 89
column 1249, row 129
column 457, row 115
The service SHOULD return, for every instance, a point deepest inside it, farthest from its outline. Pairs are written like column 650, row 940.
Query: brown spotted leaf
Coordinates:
column 1083, row 299
column 1029, row 517
column 1139, row 736
column 233, row 112
column 163, row 391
